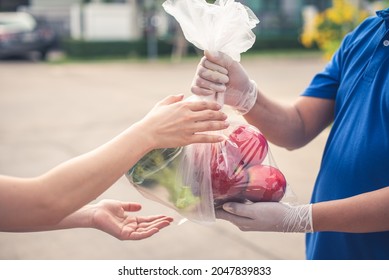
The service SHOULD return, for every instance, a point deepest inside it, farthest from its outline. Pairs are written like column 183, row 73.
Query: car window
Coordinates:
column 16, row 22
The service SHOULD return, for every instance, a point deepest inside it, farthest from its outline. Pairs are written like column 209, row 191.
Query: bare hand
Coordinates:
column 174, row 122
column 112, row 217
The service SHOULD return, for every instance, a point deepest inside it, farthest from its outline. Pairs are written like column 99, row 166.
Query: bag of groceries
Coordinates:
column 196, row 179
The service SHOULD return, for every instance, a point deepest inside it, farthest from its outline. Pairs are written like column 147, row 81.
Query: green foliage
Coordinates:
column 110, row 49
column 90, row 50
column 160, row 168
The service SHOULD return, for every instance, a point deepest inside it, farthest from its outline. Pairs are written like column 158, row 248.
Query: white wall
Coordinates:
column 106, row 22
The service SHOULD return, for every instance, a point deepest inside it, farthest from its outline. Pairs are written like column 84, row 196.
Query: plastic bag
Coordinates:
column 225, row 26
column 195, row 179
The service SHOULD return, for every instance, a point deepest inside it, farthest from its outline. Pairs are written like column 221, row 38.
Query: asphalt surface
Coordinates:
column 52, row 112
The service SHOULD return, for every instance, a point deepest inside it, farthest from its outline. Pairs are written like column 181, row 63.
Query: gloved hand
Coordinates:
column 218, row 72
column 268, row 216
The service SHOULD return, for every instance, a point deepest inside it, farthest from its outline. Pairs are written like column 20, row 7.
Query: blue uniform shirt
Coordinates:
column 356, row 156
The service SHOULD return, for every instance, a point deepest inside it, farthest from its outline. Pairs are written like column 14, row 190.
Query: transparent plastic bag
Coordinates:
column 195, row 179
column 225, row 26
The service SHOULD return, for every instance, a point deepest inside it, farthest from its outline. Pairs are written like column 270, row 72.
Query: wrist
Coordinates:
column 298, row 219
column 144, row 135
column 85, row 216
column 248, row 100
column 82, row 218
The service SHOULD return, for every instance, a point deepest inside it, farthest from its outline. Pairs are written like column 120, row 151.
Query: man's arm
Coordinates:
column 368, row 212
column 291, row 126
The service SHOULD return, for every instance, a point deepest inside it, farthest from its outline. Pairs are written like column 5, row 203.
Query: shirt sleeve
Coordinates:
column 326, row 83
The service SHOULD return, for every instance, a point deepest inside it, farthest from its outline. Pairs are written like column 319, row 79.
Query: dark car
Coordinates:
column 22, row 34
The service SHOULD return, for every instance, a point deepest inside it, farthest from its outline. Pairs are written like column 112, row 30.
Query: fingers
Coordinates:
column 146, row 221
column 203, row 86
column 207, row 138
column 206, row 72
column 210, row 78
column 219, row 58
column 204, row 116
column 207, row 63
column 243, row 223
column 208, row 121
column 197, row 106
column 238, row 209
column 223, row 215
column 148, row 226
column 203, row 111
column 202, row 91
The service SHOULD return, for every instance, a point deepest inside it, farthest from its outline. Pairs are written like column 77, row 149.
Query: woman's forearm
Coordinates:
column 49, row 198
column 91, row 174
column 64, row 189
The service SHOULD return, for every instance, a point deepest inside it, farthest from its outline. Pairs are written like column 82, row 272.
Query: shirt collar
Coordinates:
column 384, row 14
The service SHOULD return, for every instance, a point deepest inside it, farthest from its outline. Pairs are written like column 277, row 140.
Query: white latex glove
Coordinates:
column 218, row 73
column 268, row 216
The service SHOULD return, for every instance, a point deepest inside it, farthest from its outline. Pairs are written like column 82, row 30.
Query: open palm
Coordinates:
column 113, row 217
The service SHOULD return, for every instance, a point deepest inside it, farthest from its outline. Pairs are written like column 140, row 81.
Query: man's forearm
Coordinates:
column 291, row 126
column 280, row 124
column 368, row 212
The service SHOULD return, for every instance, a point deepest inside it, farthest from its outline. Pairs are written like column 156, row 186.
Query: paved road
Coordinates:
column 52, row 112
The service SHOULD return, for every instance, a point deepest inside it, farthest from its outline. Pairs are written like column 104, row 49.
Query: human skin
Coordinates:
column 45, row 200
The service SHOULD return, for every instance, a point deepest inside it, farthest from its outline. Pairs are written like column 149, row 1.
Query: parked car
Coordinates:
column 22, row 34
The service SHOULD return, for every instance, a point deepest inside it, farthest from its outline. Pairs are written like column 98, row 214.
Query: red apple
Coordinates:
column 266, row 183
column 245, row 147
column 227, row 179
column 251, row 143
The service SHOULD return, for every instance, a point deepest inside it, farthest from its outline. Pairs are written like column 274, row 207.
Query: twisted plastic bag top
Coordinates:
column 225, row 26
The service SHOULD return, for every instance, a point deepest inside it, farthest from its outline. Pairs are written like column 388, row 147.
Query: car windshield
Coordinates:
column 16, row 22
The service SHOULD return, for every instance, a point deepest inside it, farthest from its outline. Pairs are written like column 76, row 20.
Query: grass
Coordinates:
column 279, row 53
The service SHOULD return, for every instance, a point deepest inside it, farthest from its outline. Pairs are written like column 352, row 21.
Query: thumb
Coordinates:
column 171, row 99
column 238, row 209
column 219, row 58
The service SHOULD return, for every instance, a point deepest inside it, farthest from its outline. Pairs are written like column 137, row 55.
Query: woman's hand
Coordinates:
column 113, row 217
column 174, row 122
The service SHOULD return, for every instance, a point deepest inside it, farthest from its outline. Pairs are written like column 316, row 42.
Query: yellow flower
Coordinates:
column 331, row 25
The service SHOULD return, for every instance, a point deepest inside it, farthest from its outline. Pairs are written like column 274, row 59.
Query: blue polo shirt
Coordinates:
column 356, row 156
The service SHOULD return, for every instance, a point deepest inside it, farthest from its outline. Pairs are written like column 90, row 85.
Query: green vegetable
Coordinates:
column 160, row 167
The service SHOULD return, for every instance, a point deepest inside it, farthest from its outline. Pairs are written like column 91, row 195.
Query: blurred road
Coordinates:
column 52, row 112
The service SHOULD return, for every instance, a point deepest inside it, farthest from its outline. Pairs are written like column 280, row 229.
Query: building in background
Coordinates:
column 127, row 20
column 277, row 16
